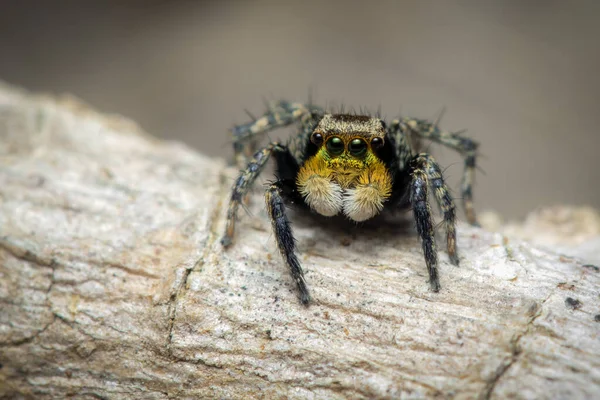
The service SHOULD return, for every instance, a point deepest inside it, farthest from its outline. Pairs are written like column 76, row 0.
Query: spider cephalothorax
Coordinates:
column 353, row 165
column 345, row 175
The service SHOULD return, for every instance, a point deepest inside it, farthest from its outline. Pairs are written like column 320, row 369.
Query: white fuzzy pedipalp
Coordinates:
column 323, row 196
column 362, row 203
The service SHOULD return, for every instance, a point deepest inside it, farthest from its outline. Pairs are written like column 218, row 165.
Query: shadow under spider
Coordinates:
column 385, row 229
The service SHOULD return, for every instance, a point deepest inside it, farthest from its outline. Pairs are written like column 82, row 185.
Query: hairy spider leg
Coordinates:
column 426, row 163
column 284, row 236
column 465, row 146
column 402, row 146
column 419, row 188
column 244, row 183
column 279, row 114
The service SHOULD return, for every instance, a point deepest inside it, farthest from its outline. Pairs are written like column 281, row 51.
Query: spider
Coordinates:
column 349, row 164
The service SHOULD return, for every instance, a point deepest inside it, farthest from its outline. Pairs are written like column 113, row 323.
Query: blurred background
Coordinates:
column 521, row 76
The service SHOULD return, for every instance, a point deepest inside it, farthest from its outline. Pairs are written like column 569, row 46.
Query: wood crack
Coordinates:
column 24, row 254
column 515, row 350
column 211, row 224
column 28, row 339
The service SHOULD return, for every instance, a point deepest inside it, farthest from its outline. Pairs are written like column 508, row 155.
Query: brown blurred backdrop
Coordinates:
column 521, row 76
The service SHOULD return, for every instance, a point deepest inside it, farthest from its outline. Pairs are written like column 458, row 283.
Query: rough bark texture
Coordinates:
column 113, row 285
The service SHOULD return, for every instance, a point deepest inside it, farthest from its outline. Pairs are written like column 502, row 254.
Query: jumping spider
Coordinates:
column 353, row 165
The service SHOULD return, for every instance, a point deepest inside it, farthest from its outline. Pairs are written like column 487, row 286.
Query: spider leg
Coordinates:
column 402, row 146
column 279, row 114
column 427, row 164
column 243, row 183
column 419, row 188
column 454, row 140
column 284, row 236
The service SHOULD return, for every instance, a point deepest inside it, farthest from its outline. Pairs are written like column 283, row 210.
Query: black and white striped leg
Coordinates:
column 243, row 184
column 285, row 238
column 426, row 163
column 279, row 114
column 465, row 146
column 422, row 213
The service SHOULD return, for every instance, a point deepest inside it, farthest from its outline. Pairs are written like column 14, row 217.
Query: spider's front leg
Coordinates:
column 465, row 146
column 426, row 174
column 420, row 204
column 243, row 183
column 284, row 236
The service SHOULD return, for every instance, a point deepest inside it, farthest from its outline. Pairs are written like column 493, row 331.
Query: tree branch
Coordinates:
column 114, row 285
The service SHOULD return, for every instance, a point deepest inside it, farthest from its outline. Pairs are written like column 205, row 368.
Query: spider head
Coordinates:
column 348, row 136
column 345, row 174
column 347, row 144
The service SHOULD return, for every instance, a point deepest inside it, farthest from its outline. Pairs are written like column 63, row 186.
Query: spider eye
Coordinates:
column 316, row 138
column 376, row 142
column 357, row 147
column 335, row 146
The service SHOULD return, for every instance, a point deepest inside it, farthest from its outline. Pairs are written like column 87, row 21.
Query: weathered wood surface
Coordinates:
column 113, row 285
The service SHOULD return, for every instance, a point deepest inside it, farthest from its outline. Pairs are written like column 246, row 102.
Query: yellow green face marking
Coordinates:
column 346, row 149
column 345, row 168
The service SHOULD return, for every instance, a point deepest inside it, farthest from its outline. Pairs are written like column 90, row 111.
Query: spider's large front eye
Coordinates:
column 357, row 147
column 335, row 146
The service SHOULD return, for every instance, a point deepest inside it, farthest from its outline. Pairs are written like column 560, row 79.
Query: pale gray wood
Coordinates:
column 113, row 285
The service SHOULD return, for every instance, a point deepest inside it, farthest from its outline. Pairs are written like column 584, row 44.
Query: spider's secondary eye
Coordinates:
column 316, row 138
column 376, row 142
column 335, row 146
column 357, row 147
